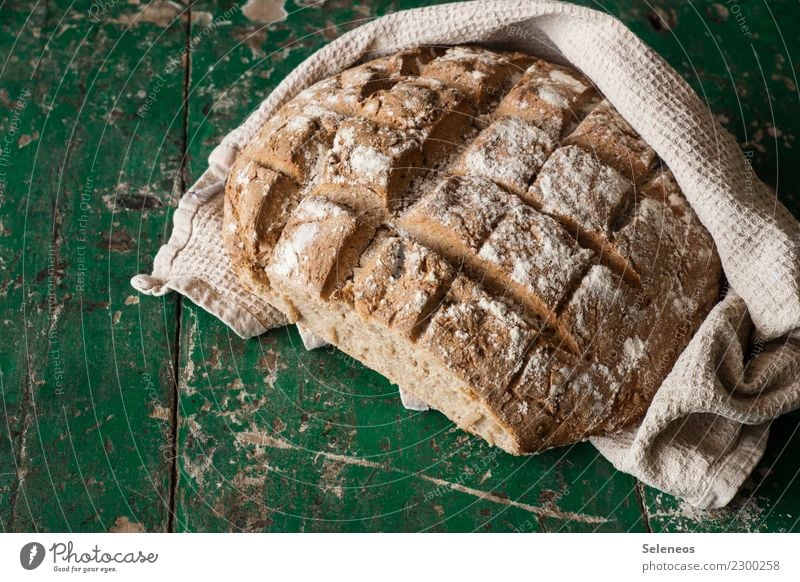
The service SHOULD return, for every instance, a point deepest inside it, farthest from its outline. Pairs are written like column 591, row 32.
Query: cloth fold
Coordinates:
column 708, row 423
column 706, row 428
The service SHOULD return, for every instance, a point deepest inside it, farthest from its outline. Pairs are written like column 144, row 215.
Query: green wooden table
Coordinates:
column 129, row 413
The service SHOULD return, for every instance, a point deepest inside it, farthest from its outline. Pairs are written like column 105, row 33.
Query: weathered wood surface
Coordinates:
column 120, row 412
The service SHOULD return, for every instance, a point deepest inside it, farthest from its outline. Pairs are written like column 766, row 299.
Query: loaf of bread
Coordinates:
column 483, row 229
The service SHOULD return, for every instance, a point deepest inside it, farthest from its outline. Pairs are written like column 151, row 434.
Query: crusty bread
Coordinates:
column 483, row 229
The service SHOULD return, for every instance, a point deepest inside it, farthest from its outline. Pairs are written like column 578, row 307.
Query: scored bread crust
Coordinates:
column 483, row 229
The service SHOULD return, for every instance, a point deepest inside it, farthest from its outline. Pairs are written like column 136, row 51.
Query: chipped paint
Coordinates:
column 242, row 414
column 25, row 140
column 132, row 300
column 743, row 514
column 202, row 18
column 213, row 360
column 241, row 480
column 262, row 439
column 188, row 375
column 254, row 40
column 119, row 241
column 159, row 12
column 160, row 412
column 271, row 360
column 124, row 525
column 331, row 477
column 721, row 11
column 83, row 418
column 540, row 511
column 265, row 11
column 197, row 469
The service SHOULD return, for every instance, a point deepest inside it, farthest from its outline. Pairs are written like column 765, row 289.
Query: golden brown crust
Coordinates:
column 479, row 338
column 506, row 245
column 400, row 282
column 549, row 96
column 611, row 139
column 481, row 75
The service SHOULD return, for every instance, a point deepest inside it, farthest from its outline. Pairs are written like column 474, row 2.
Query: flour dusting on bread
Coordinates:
column 484, row 229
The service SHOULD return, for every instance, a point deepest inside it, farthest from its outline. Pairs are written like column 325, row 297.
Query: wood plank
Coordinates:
column 92, row 363
column 273, row 438
column 742, row 104
column 16, row 96
column 750, row 85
